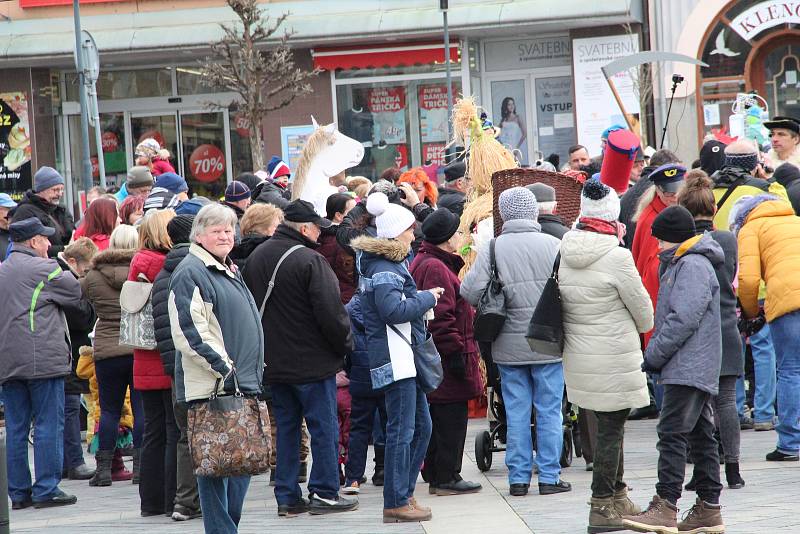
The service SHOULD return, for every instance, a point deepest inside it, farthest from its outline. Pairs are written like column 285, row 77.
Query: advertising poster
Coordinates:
column 388, row 108
column 555, row 114
column 433, row 118
column 509, row 114
column 595, row 106
column 293, row 139
column 15, row 144
column 433, row 152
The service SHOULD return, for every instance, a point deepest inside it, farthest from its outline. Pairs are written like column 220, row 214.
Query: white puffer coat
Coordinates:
column 605, row 308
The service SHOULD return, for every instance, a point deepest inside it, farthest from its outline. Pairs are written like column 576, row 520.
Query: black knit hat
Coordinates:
column 440, row 226
column 786, row 173
column 673, row 225
column 179, row 228
column 712, row 156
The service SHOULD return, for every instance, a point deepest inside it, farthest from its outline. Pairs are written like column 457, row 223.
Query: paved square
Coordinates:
column 767, row 504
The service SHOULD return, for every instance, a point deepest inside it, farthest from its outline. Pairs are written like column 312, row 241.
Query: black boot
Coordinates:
column 102, row 475
column 734, row 479
column 377, row 478
column 137, row 462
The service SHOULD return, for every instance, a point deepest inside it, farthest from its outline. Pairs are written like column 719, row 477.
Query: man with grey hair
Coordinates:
column 551, row 223
column 219, row 343
column 307, row 332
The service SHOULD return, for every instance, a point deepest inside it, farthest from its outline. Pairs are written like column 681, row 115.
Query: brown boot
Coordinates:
column 405, row 514
column 603, row 516
column 703, row 517
column 624, row 505
column 660, row 517
column 413, row 502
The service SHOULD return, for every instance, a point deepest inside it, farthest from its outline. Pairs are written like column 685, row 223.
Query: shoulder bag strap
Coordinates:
column 271, row 284
column 493, row 258
column 556, row 265
column 736, row 183
column 399, row 333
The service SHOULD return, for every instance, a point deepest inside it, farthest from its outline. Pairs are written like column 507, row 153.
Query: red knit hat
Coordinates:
column 618, row 159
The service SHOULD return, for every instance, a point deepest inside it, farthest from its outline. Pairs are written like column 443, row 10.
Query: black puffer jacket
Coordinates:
column 242, row 251
column 272, row 194
column 452, row 199
column 161, row 307
column 51, row 215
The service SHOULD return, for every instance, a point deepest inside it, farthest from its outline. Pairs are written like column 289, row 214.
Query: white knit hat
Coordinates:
column 390, row 219
column 599, row 201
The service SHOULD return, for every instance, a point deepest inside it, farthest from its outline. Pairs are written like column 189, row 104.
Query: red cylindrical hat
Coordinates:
column 618, row 159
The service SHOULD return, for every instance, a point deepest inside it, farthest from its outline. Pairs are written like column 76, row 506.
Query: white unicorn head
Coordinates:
column 327, row 152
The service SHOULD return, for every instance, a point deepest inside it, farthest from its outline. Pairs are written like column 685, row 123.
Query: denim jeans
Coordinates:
column 40, row 401
column 784, row 331
column 408, row 431
column 114, row 377
column 540, row 387
column 764, row 370
column 687, row 418
column 73, row 451
column 316, row 401
column 362, row 419
column 727, row 420
column 221, row 500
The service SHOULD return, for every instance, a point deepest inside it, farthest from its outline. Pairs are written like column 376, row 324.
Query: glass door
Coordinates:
column 203, row 148
column 510, row 108
column 163, row 128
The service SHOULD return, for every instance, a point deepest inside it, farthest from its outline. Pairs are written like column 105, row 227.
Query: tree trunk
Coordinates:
column 256, row 145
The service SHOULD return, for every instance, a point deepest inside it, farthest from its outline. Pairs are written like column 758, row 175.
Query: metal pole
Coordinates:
column 98, row 135
column 449, row 82
column 86, row 162
column 5, row 526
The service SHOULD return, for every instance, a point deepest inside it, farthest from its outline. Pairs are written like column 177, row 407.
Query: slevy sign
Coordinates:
column 764, row 16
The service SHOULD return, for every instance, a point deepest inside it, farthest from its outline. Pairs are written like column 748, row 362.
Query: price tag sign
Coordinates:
column 207, row 163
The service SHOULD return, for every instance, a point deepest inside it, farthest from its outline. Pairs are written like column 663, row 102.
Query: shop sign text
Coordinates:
column 527, row 53
column 764, row 16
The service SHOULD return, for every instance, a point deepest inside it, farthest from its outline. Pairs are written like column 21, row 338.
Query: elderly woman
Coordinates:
column 392, row 305
column 216, row 330
column 605, row 308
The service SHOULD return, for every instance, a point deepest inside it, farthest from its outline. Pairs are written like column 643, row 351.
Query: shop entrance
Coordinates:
column 535, row 112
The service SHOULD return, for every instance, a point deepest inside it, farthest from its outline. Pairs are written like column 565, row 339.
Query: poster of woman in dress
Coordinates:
column 508, row 105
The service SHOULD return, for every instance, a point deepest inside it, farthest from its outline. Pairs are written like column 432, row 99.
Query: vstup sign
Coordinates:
column 49, row 3
column 766, row 15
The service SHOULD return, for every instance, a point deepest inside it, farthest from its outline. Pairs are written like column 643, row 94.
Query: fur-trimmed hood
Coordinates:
column 391, row 249
column 113, row 265
column 113, row 257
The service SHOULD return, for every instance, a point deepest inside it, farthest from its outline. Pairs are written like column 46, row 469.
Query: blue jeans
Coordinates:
column 221, row 500
column 526, row 387
column 316, row 401
column 784, row 331
column 362, row 419
column 73, row 450
column 765, row 380
column 40, row 401
column 408, row 431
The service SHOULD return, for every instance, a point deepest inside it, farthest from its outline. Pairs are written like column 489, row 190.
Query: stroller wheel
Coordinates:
column 483, row 450
column 566, row 451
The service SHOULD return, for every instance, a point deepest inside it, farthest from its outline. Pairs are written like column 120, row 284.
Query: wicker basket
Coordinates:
column 568, row 191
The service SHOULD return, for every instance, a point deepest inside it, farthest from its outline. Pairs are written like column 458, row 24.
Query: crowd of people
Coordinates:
column 668, row 285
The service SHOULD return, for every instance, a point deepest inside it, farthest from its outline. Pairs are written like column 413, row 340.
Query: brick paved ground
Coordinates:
column 767, row 504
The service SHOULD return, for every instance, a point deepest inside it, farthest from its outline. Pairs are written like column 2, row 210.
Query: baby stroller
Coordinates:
column 494, row 439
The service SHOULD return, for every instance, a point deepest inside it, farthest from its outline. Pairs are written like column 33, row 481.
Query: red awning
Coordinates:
column 383, row 55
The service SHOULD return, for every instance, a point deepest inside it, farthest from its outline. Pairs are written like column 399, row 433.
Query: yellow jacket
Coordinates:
column 85, row 370
column 769, row 250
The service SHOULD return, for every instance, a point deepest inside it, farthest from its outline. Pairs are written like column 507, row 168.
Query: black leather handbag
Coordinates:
column 491, row 310
column 546, row 329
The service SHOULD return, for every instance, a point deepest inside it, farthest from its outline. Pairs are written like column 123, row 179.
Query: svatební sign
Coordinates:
column 527, row 53
column 764, row 16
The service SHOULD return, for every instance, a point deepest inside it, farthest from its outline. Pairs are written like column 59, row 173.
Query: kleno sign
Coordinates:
column 764, row 16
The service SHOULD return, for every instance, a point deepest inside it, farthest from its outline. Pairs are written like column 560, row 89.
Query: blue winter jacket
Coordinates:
column 686, row 347
column 389, row 296
column 358, row 361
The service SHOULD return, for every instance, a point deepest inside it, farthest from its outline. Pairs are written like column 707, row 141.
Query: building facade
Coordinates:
column 383, row 80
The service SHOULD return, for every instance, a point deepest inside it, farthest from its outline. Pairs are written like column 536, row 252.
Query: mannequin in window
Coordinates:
column 357, row 121
column 384, row 156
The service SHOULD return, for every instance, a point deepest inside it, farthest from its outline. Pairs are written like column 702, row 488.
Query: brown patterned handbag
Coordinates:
column 229, row 435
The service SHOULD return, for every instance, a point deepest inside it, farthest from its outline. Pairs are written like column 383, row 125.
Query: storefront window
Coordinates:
column 117, row 84
column 192, row 82
column 203, row 141
column 401, row 124
column 113, row 146
column 241, row 156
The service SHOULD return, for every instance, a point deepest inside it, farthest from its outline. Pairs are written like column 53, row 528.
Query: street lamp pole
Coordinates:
column 86, row 162
column 443, row 7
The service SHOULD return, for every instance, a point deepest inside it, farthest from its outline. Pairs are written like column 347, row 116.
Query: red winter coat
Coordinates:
column 160, row 166
column 342, row 262
column 148, row 371
column 452, row 324
column 645, row 251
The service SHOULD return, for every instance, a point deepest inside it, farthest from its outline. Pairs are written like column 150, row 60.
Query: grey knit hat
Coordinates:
column 45, row 178
column 518, row 203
